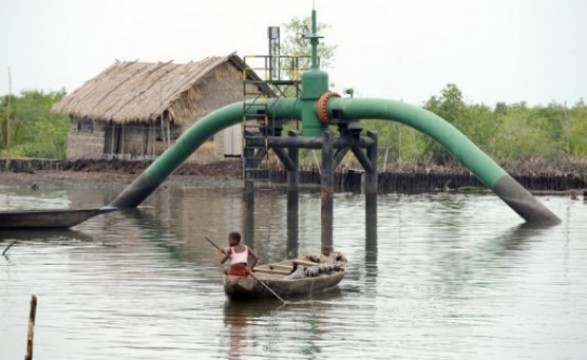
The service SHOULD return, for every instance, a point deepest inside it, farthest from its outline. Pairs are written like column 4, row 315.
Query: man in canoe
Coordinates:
column 326, row 262
column 327, row 256
column 239, row 256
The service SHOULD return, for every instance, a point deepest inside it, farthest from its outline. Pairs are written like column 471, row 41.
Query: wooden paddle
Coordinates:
column 250, row 273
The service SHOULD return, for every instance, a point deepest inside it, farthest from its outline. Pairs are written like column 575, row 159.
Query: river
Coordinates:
column 436, row 276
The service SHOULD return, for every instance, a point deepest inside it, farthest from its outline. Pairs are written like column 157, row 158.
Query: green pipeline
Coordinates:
column 491, row 174
column 204, row 129
column 428, row 123
column 189, row 141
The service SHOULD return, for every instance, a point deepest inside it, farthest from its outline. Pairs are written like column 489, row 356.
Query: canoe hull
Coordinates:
column 247, row 288
column 48, row 219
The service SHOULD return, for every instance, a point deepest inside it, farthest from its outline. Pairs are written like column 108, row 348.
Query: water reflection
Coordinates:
column 371, row 236
column 61, row 235
column 430, row 277
column 517, row 237
column 242, row 319
column 13, row 239
column 236, row 318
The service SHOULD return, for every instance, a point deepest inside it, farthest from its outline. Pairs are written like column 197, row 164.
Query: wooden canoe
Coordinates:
column 275, row 276
column 49, row 218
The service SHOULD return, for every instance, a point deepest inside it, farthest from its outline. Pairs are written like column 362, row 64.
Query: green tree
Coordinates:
column 479, row 124
column 295, row 42
column 577, row 130
column 29, row 128
column 6, row 114
column 525, row 133
column 449, row 106
column 402, row 144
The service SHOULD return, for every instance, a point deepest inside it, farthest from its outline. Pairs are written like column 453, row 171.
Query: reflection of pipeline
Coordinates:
column 488, row 172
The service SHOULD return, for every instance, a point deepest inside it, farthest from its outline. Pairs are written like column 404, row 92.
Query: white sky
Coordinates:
column 494, row 50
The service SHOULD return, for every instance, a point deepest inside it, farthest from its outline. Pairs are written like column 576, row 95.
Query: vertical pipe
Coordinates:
column 371, row 189
column 248, row 213
column 293, row 176
column 293, row 195
column 327, row 187
column 314, row 41
column 292, row 224
column 371, row 185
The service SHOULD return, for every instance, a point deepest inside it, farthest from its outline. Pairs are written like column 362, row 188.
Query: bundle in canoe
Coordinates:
column 279, row 277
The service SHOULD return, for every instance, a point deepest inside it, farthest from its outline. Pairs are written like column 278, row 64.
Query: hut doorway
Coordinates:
column 233, row 141
column 113, row 139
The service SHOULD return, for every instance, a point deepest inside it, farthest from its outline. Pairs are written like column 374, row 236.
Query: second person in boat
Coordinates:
column 327, row 256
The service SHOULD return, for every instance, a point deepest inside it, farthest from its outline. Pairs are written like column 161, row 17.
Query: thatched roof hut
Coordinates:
column 132, row 105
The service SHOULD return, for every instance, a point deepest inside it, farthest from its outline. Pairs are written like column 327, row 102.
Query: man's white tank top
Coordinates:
column 237, row 258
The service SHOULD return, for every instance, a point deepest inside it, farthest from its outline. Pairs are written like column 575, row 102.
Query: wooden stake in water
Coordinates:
column 31, row 332
column 8, row 247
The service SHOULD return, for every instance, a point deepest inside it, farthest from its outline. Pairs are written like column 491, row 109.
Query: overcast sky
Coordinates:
column 494, row 50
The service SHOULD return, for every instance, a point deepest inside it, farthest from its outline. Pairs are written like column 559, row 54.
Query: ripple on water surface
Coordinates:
column 441, row 276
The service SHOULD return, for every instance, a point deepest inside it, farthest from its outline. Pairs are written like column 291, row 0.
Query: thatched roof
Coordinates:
column 137, row 91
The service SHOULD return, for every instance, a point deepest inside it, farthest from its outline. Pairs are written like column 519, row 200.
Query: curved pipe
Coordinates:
column 488, row 172
column 189, row 141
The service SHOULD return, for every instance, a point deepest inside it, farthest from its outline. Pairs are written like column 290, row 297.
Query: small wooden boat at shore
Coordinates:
column 48, row 218
column 278, row 277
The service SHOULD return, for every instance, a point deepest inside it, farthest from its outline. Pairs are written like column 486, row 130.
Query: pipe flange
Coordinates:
column 321, row 109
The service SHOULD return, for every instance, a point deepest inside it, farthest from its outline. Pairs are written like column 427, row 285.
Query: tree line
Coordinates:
column 506, row 132
column 28, row 127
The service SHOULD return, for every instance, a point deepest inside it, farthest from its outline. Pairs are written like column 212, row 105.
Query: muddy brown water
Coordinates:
column 438, row 276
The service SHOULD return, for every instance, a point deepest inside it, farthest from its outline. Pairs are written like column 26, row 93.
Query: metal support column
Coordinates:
column 293, row 196
column 292, row 224
column 293, row 175
column 371, row 183
column 327, row 187
column 371, row 189
column 248, row 212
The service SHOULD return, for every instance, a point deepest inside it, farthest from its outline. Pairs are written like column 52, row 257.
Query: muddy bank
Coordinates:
column 34, row 173
column 536, row 175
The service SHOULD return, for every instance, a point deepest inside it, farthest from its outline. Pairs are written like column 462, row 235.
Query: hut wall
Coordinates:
column 135, row 140
column 220, row 87
column 138, row 141
column 83, row 141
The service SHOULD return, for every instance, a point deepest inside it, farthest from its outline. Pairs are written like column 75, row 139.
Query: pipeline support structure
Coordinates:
column 317, row 108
